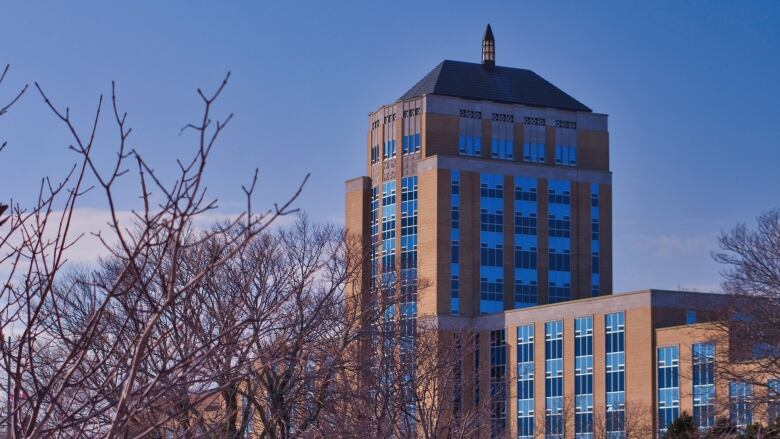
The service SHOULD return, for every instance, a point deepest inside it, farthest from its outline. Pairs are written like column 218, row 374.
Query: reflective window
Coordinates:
column 583, row 377
column 740, row 404
column 525, row 381
column 615, row 374
column 498, row 394
column 703, row 359
column 553, row 380
column 668, row 386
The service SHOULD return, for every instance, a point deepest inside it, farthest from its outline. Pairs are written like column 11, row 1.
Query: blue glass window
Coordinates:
column 668, row 386
column 525, row 381
column 583, row 377
column 703, row 384
column 553, row 379
column 740, row 404
column 615, row 375
column 498, row 394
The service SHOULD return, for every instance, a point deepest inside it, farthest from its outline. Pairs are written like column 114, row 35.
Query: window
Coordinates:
column 388, row 227
column 533, row 152
column 703, row 384
column 525, row 193
column 525, row 293
column 491, row 221
column 559, row 261
column 534, row 139
column 740, row 404
column 491, row 237
column 525, row 258
column 553, row 379
column 503, row 131
column 491, row 190
column 454, row 295
column 470, row 138
column 615, row 378
column 455, row 217
column 773, row 406
column 559, row 197
column 525, row 381
column 455, row 255
column 690, row 317
column 491, row 257
column 559, row 293
column 492, row 290
column 409, row 224
column 455, row 244
column 565, row 155
column 374, row 232
column 594, row 229
column 594, row 263
column 498, row 393
column 559, row 227
column 668, row 386
column 410, row 142
column 457, row 390
column 375, row 140
column 565, row 143
column 583, row 377
column 525, row 225
column 388, row 136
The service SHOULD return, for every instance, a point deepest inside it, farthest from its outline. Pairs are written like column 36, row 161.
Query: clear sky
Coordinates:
column 692, row 90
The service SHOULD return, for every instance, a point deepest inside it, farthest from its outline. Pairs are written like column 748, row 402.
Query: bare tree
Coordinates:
column 131, row 367
column 750, row 323
column 298, row 358
column 636, row 421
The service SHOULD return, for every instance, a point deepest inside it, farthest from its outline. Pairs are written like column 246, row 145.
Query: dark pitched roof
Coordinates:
column 500, row 84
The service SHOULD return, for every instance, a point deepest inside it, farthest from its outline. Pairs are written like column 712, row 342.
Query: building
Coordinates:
column 494, row 186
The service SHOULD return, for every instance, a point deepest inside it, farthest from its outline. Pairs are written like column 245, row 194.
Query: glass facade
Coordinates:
column 703, row 359
column 388, row 231
column 740, row 404
column 553, row 380
column 668, row 386
column 455, row 243
column 559, row 242
column 615, row 374
column 583, row 377
column 491, row 242
column 373, row 218
column 498, row 394
column 408, row 305
column 526, row 242
column 525, row 381
column 595, row 244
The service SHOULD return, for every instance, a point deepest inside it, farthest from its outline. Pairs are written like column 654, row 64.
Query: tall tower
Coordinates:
column 491, row 184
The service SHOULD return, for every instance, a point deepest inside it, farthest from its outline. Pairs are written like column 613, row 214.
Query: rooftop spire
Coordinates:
column 488, row 49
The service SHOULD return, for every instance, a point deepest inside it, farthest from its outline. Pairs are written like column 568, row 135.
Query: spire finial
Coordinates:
column 488, row 49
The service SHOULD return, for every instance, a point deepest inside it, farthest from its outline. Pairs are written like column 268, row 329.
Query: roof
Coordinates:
column 499, row 84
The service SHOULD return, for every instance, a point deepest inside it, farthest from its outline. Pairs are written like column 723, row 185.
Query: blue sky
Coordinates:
column 691, row 89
